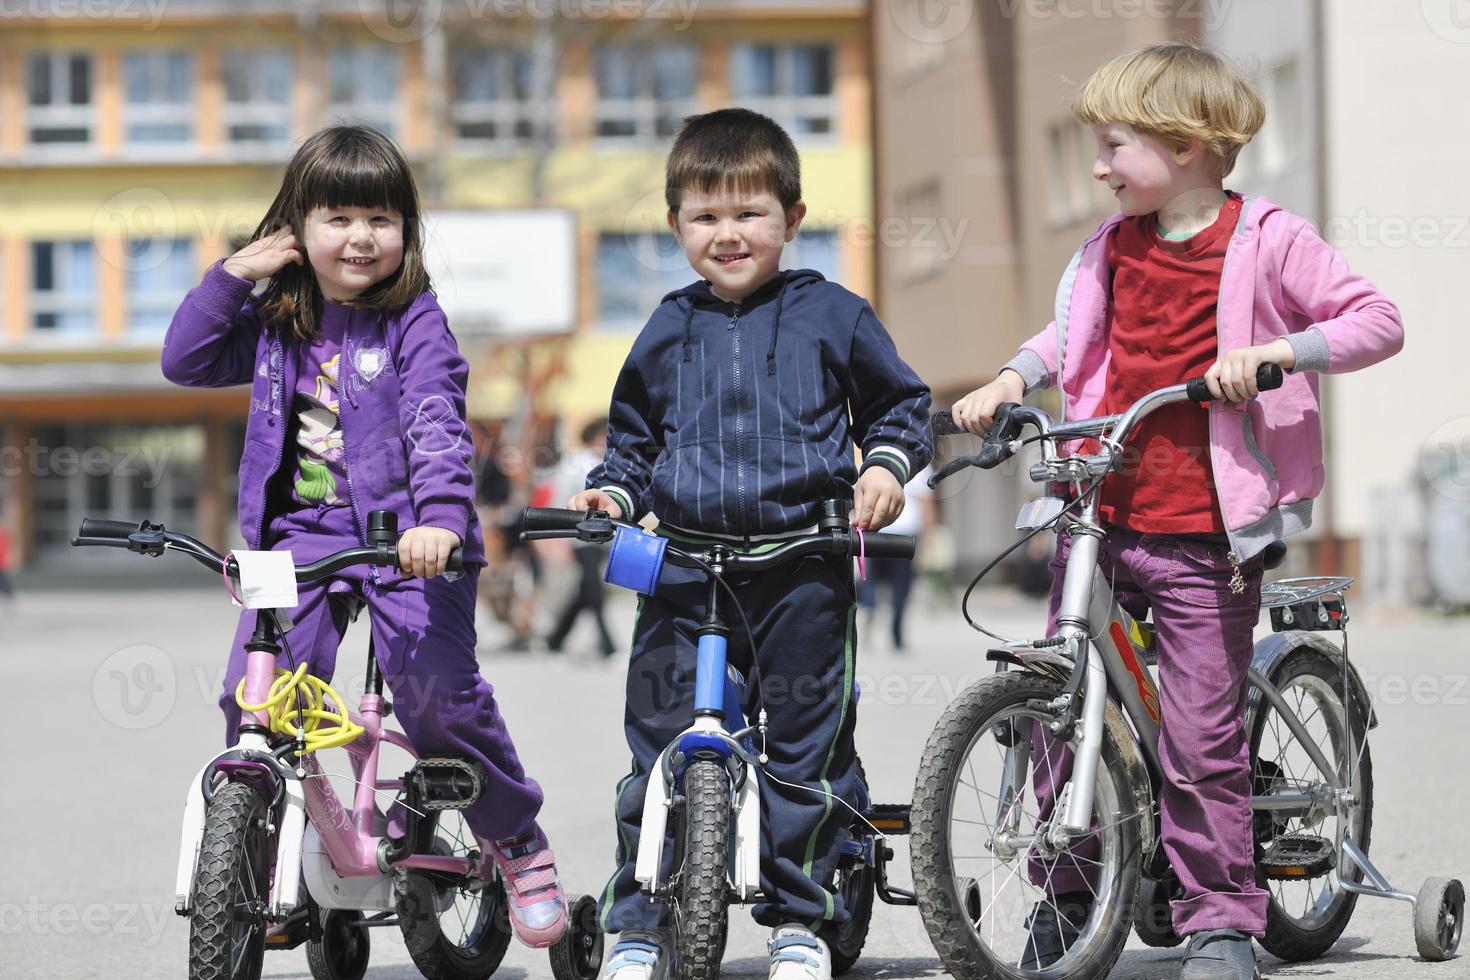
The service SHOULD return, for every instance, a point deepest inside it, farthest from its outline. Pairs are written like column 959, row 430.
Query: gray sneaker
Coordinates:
column 1220, row 954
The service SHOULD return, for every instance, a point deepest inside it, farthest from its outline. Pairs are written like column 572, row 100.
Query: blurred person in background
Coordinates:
column 5, row 586
column 589, row 593
column 894, row 575
column 508, row 582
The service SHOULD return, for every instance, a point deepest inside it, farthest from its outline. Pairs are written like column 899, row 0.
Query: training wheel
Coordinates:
column 577, row 955
column 343, row 951
column 1439, row 917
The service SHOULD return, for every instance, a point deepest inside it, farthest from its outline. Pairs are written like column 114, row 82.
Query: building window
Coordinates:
column 1279, row 145
column 63, row 287
column 791, row 83
column 160, row 270
column 160, row 96
column 634, row 273
column 60, row 98
column 365, row 84
column 492, row 97
column 920, row 207
column 257, row 96
column 1075, row 193
column 816, row 249
column 644, row 92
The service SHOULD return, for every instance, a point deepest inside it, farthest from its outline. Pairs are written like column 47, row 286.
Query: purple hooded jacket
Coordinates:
column 408, row 448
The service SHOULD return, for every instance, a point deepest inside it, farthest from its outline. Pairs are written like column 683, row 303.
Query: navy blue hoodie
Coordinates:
column 739, row 419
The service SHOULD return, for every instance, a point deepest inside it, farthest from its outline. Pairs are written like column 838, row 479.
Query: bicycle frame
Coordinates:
column 340, row 851
column 1097, row 632
column 718, row 720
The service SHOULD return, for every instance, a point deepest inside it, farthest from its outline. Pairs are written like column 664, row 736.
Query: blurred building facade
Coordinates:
column 141, row 143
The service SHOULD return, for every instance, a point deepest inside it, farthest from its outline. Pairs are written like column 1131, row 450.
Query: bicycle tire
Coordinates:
column 701, row 892
column 233, row 871
column 941, row 906
column 1286, row 936
column 417, row 900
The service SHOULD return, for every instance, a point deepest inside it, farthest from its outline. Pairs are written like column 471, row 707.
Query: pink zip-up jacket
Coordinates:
column 1280, row 279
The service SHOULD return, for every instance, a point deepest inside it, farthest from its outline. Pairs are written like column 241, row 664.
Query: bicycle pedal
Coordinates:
column 889, row 818
column 1298, row 857
column 444, row 783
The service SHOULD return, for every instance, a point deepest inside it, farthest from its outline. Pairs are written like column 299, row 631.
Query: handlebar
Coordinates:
column 1002, row 441
column 151, row 539
column 833, row 538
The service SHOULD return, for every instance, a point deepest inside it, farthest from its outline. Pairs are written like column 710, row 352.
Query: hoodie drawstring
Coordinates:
column 775, row 330
column 344, row 369
column 688, row 339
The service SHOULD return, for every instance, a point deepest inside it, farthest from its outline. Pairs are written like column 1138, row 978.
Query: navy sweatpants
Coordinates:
column 802, row 618
column 424, row 638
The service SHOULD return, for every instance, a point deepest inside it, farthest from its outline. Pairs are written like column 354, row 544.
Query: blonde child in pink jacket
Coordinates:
column 1191, row 279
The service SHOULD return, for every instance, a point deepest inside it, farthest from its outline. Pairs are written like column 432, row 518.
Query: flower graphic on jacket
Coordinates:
column 319, row 438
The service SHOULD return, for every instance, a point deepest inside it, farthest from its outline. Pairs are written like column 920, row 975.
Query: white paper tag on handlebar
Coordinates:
column 267, row 579
column 1038, row 512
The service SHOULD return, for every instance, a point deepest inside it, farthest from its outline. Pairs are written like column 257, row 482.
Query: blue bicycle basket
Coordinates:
column 635, row 560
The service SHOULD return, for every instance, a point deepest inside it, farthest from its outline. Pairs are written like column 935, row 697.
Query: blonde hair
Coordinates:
column 1179, row 93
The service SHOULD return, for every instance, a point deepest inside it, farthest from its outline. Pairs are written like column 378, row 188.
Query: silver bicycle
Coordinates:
column 1078, row 714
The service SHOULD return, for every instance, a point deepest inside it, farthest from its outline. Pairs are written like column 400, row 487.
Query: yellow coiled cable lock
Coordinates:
column 323, row 727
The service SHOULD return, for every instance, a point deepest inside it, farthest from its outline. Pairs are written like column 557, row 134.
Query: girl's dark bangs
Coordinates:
column 357, row 180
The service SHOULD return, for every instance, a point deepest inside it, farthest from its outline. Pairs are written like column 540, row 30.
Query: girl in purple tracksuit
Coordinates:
column 358, row 404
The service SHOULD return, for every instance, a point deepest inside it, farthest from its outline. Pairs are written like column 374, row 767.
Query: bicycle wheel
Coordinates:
column 231, row 888
column 342, row 953
column 455, row 928
column 700, row 886
column 981, row 861
column 1305, row 917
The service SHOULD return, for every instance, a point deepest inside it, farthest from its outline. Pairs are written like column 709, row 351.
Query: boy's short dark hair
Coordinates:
column 733, row 148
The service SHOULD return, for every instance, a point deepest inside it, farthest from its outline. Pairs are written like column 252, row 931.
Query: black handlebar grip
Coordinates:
column 1269, row 377
column 942, row 424
column 553, row 519
column 889, row 546
column 456, row 561
column 94, row 527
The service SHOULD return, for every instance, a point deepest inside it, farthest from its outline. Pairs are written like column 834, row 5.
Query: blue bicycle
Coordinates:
column 707, row 792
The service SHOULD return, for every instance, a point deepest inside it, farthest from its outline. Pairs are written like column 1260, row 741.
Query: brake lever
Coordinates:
column 951, row 468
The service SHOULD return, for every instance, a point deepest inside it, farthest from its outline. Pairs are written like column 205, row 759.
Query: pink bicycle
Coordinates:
column 261, row 819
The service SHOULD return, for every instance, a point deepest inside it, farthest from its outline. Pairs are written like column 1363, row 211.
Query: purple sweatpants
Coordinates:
column 423, row 634
column 1203, row 632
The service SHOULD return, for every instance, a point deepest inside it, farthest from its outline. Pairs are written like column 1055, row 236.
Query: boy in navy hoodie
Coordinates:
column 733, row 419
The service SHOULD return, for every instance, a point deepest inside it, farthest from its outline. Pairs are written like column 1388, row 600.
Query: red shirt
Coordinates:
column 1162, row 332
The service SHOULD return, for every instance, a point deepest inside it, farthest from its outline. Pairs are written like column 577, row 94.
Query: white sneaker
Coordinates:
column 636, row 956
column 797, row 954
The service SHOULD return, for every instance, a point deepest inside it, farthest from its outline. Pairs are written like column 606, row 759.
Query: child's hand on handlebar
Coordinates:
column 1233, row 376
column 596, row 500
column 877, row 499
column 423, row 552
column 976, row 411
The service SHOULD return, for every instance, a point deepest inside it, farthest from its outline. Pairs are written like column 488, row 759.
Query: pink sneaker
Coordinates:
column 538, row 908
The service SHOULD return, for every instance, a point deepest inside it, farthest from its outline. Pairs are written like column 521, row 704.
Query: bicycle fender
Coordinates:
column 650, row 857
column 1272, row 650
column 745, row 860
column 289, row 837
column 191, row 836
